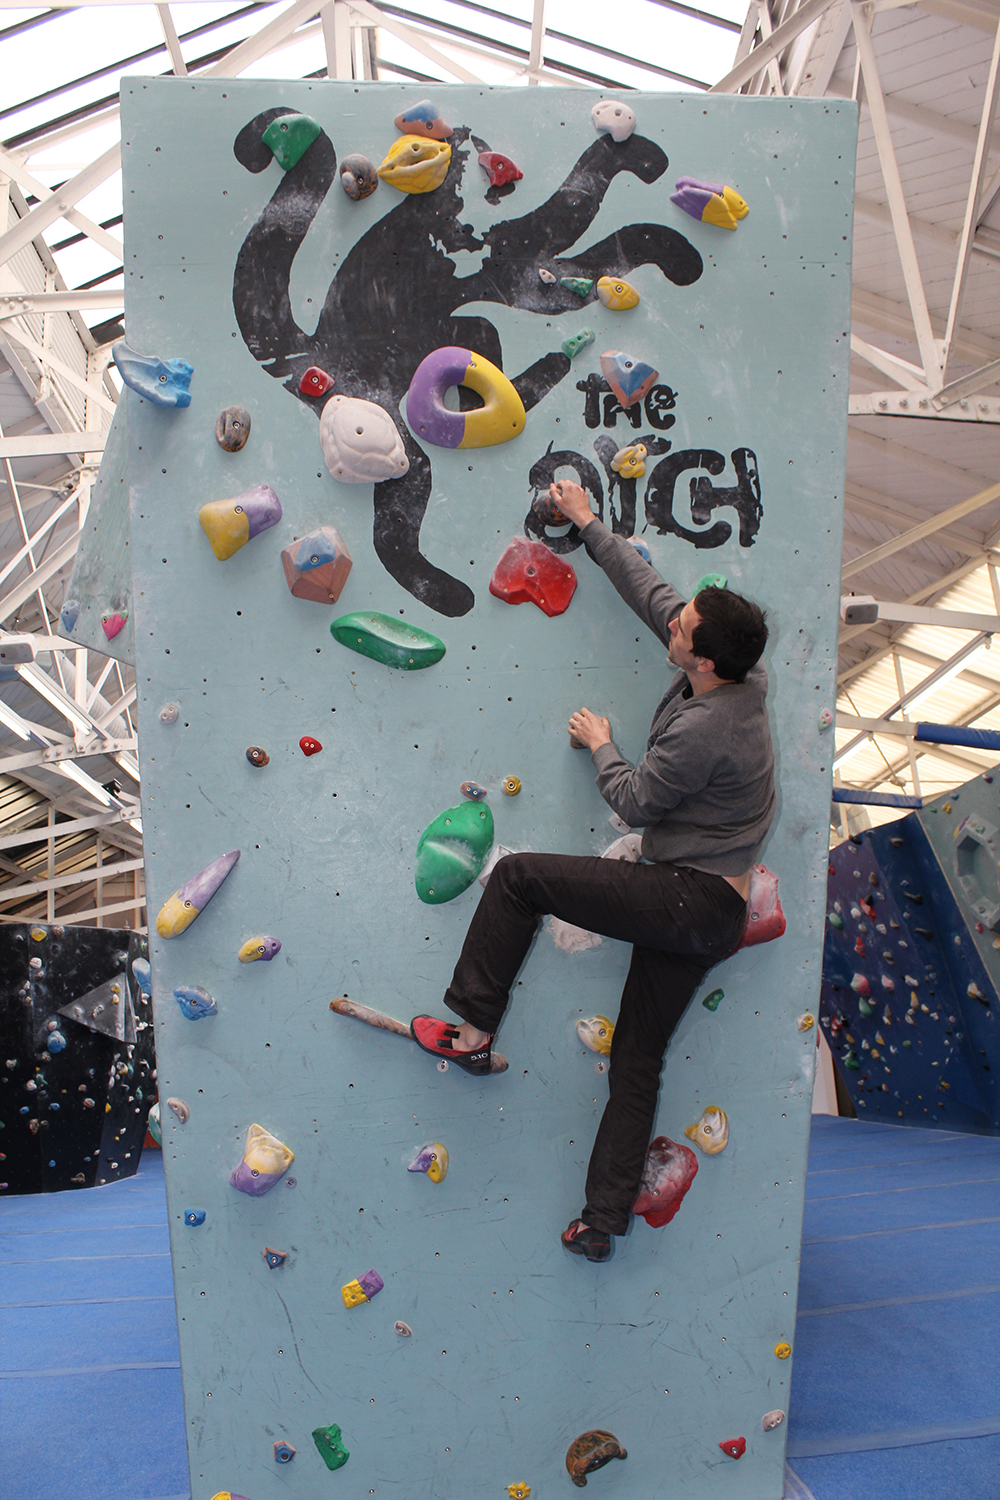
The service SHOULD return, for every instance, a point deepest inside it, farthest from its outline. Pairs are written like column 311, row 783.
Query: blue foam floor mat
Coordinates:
column 896, row 1363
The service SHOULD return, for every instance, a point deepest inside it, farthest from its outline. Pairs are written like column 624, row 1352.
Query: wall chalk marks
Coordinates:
column 256, row 276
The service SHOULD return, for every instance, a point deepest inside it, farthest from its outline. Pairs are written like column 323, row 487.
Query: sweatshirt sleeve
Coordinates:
column 677, row 765
column 644, row 591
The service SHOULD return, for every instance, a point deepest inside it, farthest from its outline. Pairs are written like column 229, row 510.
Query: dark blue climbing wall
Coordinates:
column 76, row 1044
column 910, row 971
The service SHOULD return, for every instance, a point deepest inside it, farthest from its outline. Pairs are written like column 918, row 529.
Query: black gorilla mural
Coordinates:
column 395, row 297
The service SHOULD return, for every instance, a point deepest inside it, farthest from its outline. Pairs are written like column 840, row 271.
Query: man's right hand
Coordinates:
column 572, row 500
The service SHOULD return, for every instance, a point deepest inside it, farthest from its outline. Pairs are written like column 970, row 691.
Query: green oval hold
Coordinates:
column 390, row 641
column 709, row 581
column 289, row 137
column 452, row 851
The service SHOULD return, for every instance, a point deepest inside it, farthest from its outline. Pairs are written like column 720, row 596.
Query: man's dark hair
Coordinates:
column 731, row 632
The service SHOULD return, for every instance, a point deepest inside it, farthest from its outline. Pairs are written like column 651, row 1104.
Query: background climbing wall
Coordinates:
column 516, row 1347
column 911, row 972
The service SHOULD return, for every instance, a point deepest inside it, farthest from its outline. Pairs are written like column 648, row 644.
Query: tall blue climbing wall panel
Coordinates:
column 255, row 274
column 911, row 964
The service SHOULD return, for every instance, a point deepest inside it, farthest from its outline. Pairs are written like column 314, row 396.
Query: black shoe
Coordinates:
column 593, row 1243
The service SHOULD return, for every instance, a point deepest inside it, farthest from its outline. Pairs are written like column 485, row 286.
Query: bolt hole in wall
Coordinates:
column 384, row 623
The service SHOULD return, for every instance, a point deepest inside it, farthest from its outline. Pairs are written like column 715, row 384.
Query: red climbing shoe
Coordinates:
column 593, row 1243
column 438, row 1038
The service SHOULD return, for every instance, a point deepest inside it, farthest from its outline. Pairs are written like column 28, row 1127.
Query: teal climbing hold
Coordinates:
column 711, row 1002
column 709, row 581
column 289, row 137
column 387, row 640
column 578, row 342
column 835, row 920
column 452, row 851
column 578, row 284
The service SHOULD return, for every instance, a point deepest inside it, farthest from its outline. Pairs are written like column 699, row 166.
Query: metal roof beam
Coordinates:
column 761, row 55
column 918, row 533
column 925, row 462
column 893, row 317
column 46, row 832
column 53, row 206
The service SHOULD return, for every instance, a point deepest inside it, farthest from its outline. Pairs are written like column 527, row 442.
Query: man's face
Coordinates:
column 682, row 628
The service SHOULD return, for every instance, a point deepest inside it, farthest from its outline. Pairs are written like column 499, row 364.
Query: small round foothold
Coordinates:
column 825, row 719
column 600, row 1067
column 442, row 1065
column 291, row 1182
column 309, row 746
column 404, row 1330
column 473, row 791
column 169, row 713
column 232, row 428
column 283, row 1453
column 358, row 176
column 546, row 277
column 806, row 1021
column 519, row 1491
column 735, row 1447
column 771, row 1420
column 315, row 382
column 511, row 785
column 257, row 757
column 782, row 1351
column 194, row 1216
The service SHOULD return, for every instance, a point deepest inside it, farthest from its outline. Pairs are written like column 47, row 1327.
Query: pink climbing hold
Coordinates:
column 868, row 907
column 735, row 1447
column 112, row 623
column 765, row 919
column 860, row 985
column 859, row 947
column 499, row 169
column 669, row 1171
column 529, row 573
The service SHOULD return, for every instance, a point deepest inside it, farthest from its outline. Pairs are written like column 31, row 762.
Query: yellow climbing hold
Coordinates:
column 806, row 1021
column 415, row 164
column 630, row 462
column 353, row 1294
column 519, row 1491
column 782, row 1351
column 511, row 785
column 39, row 934
column 723, row 210
column 711, row 1132
column 617, row 295
column 947, row 807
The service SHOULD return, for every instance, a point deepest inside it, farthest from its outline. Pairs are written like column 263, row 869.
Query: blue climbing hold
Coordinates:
column 164, row 382
column 193, row 1217
column 55, row 1041
column 641, row 547
column 141, row 970
column 316, row 549
column 70, row 614
column 195, row 1003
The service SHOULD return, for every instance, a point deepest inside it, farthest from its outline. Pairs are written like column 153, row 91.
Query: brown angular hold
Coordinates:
column 258, row 757
column 591, row 1450
column 232, row 428
column 316, row 566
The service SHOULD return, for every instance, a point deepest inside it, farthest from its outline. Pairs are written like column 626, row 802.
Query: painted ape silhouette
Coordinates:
column 394, row 299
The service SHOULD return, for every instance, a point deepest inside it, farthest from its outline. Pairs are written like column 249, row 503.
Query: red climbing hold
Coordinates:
column 499, row 169
column 309, row 746
column 859, row 947
column 868, row 907
column 860, row 985
column 315, row 382
column 765, row 919
column 735, row 1447
column 529, row 572
column 669, row 1171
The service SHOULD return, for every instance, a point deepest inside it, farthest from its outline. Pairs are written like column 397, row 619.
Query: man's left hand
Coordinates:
column 589, row 730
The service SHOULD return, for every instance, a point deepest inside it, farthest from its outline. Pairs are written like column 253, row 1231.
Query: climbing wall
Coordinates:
column 96, row 611
column 323, row 757
column 79, row 1073
column 911, row 964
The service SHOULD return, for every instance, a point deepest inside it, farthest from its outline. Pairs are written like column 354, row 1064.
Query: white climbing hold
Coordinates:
column 360, row 441
column 615, row 118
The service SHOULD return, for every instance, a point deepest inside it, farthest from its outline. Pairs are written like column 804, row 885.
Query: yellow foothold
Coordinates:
column 438, row 1169
column 353, row 1294
column 617, row 295
column 511, row 785
column 782, row 1351
column 947, row 807
column 806, row 1022
column 711, row 1132
column 38, row 934
column 415, row 164
column 630, row 462
column 597, row 1033
column 738, row 207
column 519, row 1491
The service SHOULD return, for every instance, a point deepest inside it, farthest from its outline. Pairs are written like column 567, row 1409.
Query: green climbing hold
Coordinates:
column 864, row 1009
column 578, row 284
column 851, row 1061
column 452, row 852
column 289, row 137
column 578, row 341
column 835, row 920
column 711, row 1002
column 387, row 640
column 330, row 1442
column 709, row 581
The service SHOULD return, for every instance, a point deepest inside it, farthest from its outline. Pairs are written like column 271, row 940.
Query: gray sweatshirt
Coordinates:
column 704, row 790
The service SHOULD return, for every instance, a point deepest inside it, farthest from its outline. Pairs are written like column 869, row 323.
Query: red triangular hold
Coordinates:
column 528, row 573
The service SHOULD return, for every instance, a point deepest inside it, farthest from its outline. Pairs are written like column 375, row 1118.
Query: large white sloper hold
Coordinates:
column 614, row 117
column 360, row 441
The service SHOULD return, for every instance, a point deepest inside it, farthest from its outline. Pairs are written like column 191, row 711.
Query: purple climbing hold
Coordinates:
column 371, row 1283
